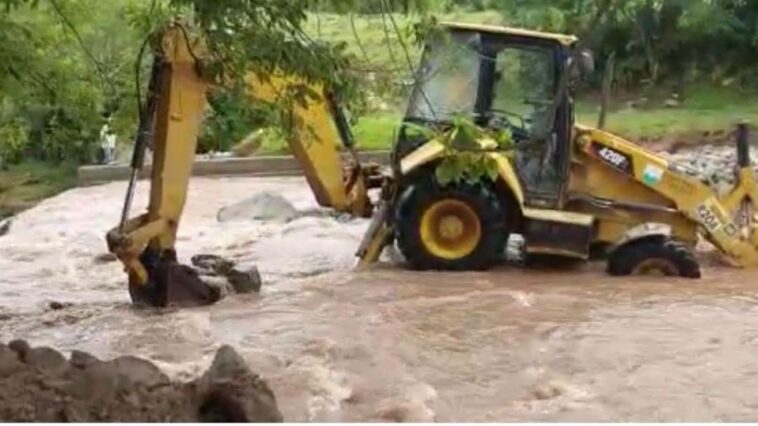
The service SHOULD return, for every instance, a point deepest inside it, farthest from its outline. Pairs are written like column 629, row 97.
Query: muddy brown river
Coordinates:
column 388, row 344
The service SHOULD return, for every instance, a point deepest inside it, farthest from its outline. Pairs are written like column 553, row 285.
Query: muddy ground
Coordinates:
column 41, row 385
column 336, row 344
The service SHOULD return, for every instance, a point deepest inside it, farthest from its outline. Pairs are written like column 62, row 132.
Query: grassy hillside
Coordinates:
column 373, row 33
column 705, row 108
column 23, row 185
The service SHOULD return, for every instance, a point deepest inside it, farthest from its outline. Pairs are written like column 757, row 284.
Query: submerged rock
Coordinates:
column 212, row 263
column 245, row 281
column 105, row 258
column 5, row 226
column 57, row 306
column 263, row 206
column 224, row 273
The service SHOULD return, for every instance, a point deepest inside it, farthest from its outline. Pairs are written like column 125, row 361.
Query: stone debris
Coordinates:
column 715, row 166
column 41, row 385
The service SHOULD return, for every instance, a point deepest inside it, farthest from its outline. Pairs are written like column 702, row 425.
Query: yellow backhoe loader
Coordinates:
column 568, row 189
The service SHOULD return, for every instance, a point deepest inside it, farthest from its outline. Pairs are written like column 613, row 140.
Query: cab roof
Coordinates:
column 564, row 39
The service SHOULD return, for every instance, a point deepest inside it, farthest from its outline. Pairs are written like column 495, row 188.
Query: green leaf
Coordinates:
column 446, row 172
column 419, row 130
column 476, row 169
column 492, row 170
column 465, row 134
column 504, row 139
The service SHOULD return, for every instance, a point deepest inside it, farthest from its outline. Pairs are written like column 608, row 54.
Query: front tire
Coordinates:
column 662, row 256
column 457, row 227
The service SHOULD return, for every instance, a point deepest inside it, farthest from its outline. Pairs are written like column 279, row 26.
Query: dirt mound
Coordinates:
column 41, row 385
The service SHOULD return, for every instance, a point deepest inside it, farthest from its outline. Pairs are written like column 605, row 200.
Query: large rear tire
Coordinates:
column 458, row 227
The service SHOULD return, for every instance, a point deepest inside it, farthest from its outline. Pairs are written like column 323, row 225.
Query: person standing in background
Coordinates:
column 108, row 143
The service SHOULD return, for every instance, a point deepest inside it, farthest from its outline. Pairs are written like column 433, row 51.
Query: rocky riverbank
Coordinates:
column 41, row 385
column 713, row 164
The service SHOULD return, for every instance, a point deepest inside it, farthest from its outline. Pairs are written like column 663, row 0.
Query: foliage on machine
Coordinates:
column 467, row 147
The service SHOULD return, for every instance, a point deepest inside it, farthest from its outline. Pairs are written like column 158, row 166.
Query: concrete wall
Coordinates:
column 251, row 166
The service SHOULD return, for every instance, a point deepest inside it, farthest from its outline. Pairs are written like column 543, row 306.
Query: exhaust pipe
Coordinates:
column 743, row 145
column 746, row 210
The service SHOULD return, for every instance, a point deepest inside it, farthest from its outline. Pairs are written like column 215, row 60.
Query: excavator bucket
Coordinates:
column 171, row 283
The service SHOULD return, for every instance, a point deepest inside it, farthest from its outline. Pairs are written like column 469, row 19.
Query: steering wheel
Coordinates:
column 499, row 122
column 505, row 120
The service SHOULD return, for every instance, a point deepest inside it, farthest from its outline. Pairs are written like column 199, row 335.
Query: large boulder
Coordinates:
column 229, row 391
column 264, row 206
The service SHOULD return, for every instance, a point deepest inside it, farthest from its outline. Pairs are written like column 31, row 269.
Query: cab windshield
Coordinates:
column 497, row 83
column 447, row 78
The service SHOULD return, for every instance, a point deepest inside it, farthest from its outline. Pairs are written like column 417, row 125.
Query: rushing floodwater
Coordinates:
column 390, row 344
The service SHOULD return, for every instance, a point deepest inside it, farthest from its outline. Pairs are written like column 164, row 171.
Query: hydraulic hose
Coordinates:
column 144, row 137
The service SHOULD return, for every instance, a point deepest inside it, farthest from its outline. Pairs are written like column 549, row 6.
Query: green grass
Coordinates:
column 24, row 185
column 373, row 33
column 705, row 108
column 376, row 131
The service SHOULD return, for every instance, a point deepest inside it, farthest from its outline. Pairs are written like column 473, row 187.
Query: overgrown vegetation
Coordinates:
column 23, row 185
column 467, row 151
column 67, row 65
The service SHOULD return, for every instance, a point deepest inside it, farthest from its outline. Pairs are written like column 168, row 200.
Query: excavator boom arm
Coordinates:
column 172, row 118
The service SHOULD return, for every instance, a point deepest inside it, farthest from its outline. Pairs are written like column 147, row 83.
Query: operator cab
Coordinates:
column 506, row 80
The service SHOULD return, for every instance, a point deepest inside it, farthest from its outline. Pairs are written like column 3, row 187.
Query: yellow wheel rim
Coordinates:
column 450, row 229
column 660, row 267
